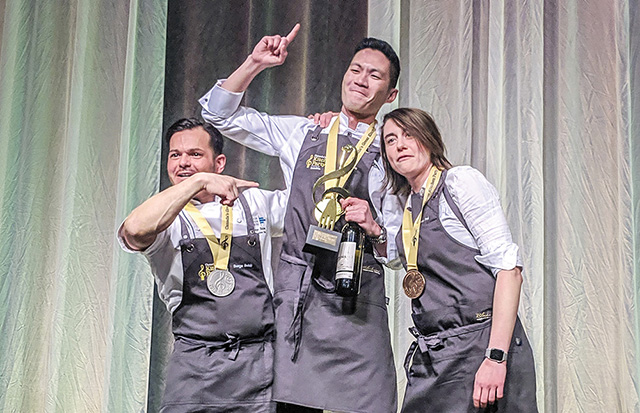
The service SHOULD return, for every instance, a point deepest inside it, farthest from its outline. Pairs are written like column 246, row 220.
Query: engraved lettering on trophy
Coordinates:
column 324, row 237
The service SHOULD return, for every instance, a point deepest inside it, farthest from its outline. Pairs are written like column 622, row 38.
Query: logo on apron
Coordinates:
column 369, row 268
column 315, row 162
column 205, row 270
column 485, row 315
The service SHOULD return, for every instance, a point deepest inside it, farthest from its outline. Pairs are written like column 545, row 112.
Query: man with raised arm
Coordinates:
column 209, row 247
column 332, row 352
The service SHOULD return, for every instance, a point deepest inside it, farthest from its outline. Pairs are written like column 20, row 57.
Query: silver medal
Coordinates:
column 221, row 283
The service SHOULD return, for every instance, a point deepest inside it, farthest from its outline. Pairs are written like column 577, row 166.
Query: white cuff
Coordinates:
column 221, row 102
column 507, row 257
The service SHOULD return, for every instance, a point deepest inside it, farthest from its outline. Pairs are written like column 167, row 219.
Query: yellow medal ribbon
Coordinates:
column 332, row 152
column 219, row 248
column 411, row 230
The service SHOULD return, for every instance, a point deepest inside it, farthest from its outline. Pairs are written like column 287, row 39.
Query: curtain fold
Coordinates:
column 80, row 119
column 543, row 97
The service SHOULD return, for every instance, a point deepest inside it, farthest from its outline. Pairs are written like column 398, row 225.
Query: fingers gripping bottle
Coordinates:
column 350, row 255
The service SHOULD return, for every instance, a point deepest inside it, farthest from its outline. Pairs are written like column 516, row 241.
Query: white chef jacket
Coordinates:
column 165, row 255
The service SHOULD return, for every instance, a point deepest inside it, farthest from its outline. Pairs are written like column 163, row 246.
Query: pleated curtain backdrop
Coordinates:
column 544, row 98
column 81, row 87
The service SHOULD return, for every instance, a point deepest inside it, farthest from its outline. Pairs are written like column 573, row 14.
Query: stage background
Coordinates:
column 542, row 96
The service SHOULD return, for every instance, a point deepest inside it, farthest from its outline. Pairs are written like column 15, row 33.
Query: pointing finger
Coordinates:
column 292, row 34
column 242, row 184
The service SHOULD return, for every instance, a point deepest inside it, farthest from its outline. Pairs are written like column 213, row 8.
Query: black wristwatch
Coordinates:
column 380, row 239
column 496, row 355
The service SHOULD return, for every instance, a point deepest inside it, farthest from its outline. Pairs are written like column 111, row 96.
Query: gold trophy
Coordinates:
column 328, row 209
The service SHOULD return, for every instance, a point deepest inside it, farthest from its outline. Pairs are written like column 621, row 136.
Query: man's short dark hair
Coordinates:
column 387, row 50
column 215, row 137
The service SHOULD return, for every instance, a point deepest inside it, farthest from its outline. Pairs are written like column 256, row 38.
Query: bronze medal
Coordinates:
column 413, row 283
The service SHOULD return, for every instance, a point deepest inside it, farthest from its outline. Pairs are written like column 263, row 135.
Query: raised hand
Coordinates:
column 272, row 50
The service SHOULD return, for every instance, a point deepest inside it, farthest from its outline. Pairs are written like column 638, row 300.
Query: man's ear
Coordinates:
column 219, row 163
column 392, row 95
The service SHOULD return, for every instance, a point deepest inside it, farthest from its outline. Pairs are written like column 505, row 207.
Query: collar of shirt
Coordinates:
column 360, row 130
column 213, row 214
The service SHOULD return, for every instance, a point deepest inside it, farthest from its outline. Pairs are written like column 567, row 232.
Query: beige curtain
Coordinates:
column 81, row 87
column 544, row 98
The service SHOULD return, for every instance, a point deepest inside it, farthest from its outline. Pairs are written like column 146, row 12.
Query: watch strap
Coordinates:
column 380, row 239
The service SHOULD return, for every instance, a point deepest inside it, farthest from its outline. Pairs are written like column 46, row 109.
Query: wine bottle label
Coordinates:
column 346, row 260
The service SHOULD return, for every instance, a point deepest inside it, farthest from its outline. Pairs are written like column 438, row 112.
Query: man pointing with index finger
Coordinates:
column 332, row 352
column 208, row 241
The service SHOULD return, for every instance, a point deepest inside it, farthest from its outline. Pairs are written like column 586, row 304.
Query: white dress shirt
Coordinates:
column 479, row 204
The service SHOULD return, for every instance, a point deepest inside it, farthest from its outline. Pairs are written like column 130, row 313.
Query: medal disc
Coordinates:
column 322, row 205
column 221, row 283
column 413, row 284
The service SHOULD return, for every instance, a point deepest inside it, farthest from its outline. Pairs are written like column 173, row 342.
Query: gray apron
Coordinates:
column 332, row 352
column 223, row 353
column 452, row 321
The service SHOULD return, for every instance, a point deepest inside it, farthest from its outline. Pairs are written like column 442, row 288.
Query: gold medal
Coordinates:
column 413, row 283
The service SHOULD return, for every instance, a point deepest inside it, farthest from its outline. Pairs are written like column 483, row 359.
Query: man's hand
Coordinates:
column 228, row 188
column 154, row 215
column 489, row 383
column 272, row 50
column 357, row 210
column 323, row 119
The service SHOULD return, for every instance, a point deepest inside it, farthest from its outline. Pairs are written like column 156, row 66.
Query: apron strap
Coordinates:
column 454, row 208
column 434, row 342
column 251, row 232
column 295, row 329
column 314, row 134
column 186, row 238
column 232, row 343
column 425, row 344
column 407, row 359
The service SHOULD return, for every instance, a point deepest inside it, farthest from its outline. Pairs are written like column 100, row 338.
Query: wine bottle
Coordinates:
column 349, row 266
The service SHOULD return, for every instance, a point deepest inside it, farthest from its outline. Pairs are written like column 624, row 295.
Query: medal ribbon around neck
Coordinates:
column 219, row 248
column 411, row 230
column 332, row 152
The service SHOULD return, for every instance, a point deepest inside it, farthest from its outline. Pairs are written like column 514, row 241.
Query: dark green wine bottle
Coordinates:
column 349, row 266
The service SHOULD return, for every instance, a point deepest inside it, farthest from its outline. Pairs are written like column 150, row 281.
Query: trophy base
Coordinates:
column 322, row 239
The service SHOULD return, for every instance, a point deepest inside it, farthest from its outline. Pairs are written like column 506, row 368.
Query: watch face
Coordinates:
column 496, row 354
